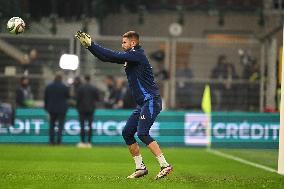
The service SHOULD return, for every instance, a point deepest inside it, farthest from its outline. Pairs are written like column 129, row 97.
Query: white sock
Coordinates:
column 139, row 162
column 162, row 161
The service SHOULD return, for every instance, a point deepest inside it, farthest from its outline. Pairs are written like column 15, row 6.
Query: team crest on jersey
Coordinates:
column 142, row 117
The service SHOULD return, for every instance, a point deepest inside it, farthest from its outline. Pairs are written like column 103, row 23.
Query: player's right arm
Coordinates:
column 99, row 56
column 114, row 56
column 105, row 54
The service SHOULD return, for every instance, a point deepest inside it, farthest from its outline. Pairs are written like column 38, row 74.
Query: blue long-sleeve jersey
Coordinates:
column 137, row 67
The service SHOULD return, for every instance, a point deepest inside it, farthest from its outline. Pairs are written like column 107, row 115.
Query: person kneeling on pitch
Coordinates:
column 145, row 92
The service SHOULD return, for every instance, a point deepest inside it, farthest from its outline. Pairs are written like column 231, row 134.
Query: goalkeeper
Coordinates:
column 145, row 92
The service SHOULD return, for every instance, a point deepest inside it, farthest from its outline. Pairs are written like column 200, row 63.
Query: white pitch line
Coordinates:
column 242, row 160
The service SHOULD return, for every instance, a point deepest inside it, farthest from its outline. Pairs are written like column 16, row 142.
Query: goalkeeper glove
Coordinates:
column 84, row 38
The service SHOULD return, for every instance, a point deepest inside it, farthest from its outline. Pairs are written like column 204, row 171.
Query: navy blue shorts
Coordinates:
column 142, row 119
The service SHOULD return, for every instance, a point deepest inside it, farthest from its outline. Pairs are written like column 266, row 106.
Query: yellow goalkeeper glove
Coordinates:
column 84, row 38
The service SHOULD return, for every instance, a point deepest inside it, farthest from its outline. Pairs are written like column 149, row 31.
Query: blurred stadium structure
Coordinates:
column 244, row 32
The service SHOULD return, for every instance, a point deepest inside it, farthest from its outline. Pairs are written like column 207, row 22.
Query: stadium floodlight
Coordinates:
column 281, row 129
column 69, row 62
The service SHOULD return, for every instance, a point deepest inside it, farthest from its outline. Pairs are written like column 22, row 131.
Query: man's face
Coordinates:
column 33, row 54
column 108, row 81
column 25, row 82
column 127, row 43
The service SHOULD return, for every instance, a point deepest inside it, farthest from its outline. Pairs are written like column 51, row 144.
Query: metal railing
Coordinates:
column 187, row 64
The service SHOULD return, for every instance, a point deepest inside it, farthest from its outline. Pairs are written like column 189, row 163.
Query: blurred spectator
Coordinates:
column 7, row 114
column 110, row 95
column 251, row 73
column 120, row 93
column 230, row 95
column 247, row 61
column 218, row 73
column 255, row 72
column 76, row 84
column 128, row 100
column 24, row 95
column 162, row 74
column 34, row 65
column 74, row 90
column 184, row 71
column 56, row 95
column 124, row 97
column 185, row 87
column 86, row 98
column 253, row 88
column 159, row 57
column 34, row 57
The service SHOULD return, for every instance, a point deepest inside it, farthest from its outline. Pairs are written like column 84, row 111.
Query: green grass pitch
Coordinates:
column 40, row 167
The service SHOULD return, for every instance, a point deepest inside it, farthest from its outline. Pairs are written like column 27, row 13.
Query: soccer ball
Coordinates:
column 16, row 25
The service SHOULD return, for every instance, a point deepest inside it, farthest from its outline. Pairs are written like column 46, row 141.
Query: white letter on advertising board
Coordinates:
column 217, row 133
column 257, row 131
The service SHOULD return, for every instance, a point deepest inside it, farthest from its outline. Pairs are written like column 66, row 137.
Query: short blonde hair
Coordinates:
column 132, row 35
